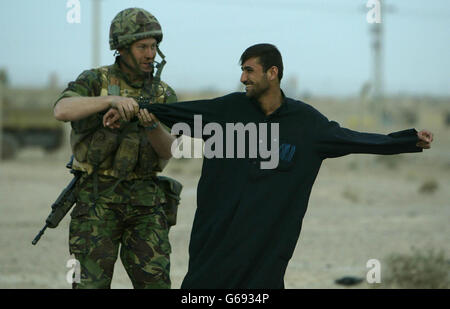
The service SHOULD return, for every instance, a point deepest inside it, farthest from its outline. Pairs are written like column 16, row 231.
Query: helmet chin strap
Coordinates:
column 136, row 70
column 135, row 66
column 160, row 65
column 155, row 80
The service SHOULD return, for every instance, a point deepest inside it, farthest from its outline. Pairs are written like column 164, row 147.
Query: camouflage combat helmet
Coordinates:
column 131, row 25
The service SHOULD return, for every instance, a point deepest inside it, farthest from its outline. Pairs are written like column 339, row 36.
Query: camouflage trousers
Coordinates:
column 141, row 232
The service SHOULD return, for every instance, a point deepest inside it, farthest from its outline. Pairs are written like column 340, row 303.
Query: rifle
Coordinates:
column 143, row 102
column 63, row 203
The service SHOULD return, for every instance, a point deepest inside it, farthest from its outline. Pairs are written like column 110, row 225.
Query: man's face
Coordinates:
column 254, row 78
column 144, row 51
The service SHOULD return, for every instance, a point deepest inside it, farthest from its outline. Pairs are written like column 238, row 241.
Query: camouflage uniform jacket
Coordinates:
column 138, row 191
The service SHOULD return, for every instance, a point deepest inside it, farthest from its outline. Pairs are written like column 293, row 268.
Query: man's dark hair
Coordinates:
column 268, row 55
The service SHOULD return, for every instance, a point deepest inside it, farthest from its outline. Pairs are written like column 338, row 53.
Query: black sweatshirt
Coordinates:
column 248, row 219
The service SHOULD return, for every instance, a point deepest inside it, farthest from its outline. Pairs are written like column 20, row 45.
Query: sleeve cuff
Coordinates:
column 409, row 139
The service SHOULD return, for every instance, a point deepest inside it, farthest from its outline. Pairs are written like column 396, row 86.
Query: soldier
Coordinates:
column 119, row 201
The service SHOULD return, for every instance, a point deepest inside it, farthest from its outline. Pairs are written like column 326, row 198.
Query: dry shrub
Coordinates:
column 420, row 270
column 353, row 165
column 351, row 195
column 390, row 161
column 447, row 119
column 429, row 186
column 410, row 117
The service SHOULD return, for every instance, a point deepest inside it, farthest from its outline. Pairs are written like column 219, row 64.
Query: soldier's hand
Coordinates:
column 425, row 139
column 127, row 107
column 147, row 119
column 112, row 119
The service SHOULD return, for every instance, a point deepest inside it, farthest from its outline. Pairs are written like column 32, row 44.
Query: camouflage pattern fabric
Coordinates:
column 131, row 25
column 96, row 233
column 128, row 214
column 89, row 84
column 83, row 138
column 137, row 192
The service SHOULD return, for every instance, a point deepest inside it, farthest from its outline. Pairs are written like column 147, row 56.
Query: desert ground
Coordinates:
column 362, row 207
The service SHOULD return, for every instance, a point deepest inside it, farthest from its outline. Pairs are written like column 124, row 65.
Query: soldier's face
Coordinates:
column 144, row 51
column 254, row 78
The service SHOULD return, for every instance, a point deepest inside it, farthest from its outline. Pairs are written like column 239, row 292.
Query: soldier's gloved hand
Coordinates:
column 112, row 119
column 127, row 107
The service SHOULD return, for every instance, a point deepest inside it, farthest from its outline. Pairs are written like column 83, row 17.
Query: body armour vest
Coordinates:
column 123, row 153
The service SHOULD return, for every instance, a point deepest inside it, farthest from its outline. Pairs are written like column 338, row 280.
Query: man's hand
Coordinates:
column 425, row 139
column 112, row 119
column 127, row 107
column 147, row 119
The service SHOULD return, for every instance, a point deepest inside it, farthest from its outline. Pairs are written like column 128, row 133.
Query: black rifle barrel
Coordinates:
column 62, row 204
column 38, row 236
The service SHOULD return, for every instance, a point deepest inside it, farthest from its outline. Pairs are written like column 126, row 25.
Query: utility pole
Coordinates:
column 2, row 86
column 377, row 31
column 96, row 11
column 377, row 71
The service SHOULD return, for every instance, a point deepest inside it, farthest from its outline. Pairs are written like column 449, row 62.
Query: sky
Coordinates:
column 326, row 45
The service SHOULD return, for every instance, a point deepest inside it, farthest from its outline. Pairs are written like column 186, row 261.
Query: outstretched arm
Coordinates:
column 334, row 141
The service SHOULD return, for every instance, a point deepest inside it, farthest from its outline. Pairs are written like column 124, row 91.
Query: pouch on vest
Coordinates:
column 81, row 136
column 126, row 156
column 172, row 190
column 104, row 142
column 80, row 145
column 148, row 159
column 87, row 125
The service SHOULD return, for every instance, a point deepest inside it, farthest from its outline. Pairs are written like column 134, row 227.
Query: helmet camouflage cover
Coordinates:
column 131, row 25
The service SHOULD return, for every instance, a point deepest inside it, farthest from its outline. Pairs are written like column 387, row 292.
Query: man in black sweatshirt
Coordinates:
column 250, row 208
